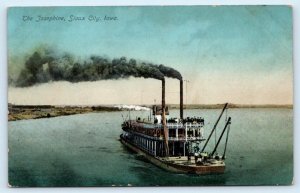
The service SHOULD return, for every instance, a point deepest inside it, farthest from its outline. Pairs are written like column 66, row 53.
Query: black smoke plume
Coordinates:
column 170, row 72
column 43, row 67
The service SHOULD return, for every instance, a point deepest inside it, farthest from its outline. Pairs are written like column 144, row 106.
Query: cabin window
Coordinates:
column 172, row 133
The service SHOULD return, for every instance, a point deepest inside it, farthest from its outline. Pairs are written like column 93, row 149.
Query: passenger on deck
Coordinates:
column 196, row 157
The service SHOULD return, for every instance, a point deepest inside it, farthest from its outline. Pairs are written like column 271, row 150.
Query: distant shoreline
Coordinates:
column 21, row 112
column 218, row 106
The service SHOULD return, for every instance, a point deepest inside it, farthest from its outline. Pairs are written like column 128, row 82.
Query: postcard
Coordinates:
column 150, row 96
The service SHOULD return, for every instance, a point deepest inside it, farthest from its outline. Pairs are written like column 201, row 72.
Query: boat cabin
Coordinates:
column 184, row 136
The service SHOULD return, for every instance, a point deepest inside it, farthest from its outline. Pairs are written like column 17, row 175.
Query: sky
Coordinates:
column 236, row 54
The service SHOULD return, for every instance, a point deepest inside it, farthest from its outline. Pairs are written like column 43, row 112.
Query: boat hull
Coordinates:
column 173, row 167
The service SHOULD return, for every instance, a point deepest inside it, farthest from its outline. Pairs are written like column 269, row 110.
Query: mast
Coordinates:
column 226, row 142
column 214, row 128
column 227, row 123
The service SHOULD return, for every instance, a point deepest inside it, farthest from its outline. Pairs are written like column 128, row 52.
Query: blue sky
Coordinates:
column 241, row 46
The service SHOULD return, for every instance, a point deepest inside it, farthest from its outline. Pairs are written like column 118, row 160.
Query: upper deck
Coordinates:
column 176, row 131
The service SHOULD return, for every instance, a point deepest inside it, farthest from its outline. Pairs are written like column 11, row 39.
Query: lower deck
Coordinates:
column 180, row 164
column 156, row 146
column 191, row 161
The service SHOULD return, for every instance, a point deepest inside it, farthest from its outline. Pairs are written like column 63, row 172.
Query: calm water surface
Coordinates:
column 84, row 150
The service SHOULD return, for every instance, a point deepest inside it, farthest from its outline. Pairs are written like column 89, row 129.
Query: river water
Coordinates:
column 84, row 150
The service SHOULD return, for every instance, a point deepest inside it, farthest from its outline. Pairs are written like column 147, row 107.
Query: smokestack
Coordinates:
column 163, row 100
column 181, row 99
column 163, row 117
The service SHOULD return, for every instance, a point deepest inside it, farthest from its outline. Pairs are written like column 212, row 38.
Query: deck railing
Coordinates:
column 174, row 125
column 180, row 137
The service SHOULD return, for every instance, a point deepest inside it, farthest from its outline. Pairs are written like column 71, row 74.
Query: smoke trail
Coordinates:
column 42, row 67
column 170, row 72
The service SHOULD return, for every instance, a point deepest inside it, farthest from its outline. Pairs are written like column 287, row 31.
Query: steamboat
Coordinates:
column 175, row 144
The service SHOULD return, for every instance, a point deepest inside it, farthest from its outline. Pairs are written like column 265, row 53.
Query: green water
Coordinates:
column 83, row 150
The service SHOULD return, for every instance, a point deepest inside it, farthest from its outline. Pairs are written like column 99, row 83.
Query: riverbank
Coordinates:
column 20, row 112
column 230, row 105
